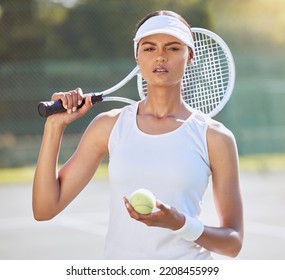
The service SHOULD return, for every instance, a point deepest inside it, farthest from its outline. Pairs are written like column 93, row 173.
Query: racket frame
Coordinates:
column 46, row 108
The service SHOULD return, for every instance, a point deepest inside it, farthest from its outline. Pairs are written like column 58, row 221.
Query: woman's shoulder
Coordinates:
column 216, row 131
column 219, row 135
column 217, row 128
column 107, row 120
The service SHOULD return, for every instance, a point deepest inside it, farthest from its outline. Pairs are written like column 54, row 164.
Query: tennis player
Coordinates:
column 160, row 144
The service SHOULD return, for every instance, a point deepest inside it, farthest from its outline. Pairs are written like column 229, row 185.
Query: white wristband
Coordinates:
column 191, row 230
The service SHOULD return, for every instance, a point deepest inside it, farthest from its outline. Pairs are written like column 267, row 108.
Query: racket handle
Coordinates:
column 47, row 108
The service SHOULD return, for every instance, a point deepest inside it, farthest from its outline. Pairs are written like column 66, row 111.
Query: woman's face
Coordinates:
column 162, row 59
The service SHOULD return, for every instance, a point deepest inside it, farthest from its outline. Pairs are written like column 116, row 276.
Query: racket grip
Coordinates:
column 48, row 108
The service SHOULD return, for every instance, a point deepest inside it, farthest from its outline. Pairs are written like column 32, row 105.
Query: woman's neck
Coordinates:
column 163, row 102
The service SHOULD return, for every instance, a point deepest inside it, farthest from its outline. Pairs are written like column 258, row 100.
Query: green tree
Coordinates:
column 99, row 28
column 21, row 32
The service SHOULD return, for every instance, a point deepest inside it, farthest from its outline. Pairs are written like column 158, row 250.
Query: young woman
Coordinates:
column 160, row 144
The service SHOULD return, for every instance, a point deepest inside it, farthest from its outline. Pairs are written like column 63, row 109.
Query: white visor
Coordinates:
column 164, row 25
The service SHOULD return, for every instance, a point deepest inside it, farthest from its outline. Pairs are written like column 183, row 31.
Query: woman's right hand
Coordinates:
column 70, row 101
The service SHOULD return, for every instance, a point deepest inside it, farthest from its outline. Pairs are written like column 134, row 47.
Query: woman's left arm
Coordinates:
column 226, row 239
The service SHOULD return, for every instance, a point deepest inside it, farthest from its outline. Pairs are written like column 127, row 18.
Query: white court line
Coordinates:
column 265, row 229
column 98, row 225
column 258, row 228
column 81, row 225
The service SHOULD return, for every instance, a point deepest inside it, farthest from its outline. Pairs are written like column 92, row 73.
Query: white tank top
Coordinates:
column 174, row 166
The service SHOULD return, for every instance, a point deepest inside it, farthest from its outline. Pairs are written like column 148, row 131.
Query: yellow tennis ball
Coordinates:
column 143, row 201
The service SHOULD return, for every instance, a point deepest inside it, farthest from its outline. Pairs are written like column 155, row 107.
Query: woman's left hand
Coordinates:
column 165, row 217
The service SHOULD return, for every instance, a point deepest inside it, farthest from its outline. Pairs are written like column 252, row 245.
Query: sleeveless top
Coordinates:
column 174, row 166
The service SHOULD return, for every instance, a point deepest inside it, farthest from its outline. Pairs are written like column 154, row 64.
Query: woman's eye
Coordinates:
column 148, row 49
column 174, row 49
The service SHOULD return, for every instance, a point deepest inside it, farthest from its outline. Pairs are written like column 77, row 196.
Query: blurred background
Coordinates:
column 48, row 46
column 57, row 45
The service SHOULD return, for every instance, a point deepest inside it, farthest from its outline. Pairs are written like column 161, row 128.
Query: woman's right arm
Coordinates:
column 52, row 190
column 46, row 186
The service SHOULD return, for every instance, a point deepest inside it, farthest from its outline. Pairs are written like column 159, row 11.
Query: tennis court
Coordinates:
column 40, row 55
column 78, row 232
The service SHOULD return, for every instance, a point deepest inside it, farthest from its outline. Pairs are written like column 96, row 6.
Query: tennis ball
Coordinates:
column 143, row 201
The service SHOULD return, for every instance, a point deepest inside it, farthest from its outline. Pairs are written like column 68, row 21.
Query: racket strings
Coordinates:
column 206, row 80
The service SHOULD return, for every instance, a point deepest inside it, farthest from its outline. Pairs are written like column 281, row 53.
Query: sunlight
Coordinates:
column 66, row 3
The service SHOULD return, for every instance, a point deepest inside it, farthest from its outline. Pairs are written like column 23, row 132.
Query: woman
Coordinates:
column 160, row 144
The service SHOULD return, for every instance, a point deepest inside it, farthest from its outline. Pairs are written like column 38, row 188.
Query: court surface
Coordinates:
column 78, row 232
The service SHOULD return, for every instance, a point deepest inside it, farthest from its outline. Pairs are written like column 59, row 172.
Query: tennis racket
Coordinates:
column 207, row 83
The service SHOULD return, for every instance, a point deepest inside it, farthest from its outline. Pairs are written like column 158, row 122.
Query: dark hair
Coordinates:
column 162, row 13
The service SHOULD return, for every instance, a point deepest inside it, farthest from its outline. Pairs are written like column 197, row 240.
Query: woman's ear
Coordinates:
column 190, row 61
column 190, row 57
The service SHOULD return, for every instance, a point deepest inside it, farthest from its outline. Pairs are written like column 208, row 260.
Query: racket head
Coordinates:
column 209, row 80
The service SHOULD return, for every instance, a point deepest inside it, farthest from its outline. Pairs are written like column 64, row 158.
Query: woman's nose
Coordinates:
column 161, row 58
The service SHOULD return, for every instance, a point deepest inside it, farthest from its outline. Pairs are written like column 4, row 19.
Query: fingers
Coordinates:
column 132, row 212
column 166, row 216
column 162, row 206
column 147, row 219
column 137, row 216
column 71, row 99
column 152, row 219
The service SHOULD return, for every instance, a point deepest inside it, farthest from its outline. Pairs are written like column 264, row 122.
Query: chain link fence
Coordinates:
column 50, row 46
